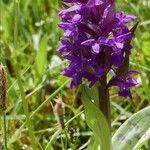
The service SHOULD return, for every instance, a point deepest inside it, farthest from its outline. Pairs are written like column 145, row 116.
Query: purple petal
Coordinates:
column 116, row 58
column 99, row 71
column 119, row 45
column 65, row 46
column 77, row 18
column 92, row 3
column 96, row 48
column 125, row 18
column 124, row 37
column 89, row 42
column 76, row 80
column 108, row 16
column 64, row 14
column 130, row 82
column 104, row 41
column 71, row 33
column 125, row 93
column 129, row 73
column 128, row 18
column 74, row 1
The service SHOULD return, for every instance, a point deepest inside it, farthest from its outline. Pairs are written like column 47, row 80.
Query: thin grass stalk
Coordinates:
column 16, row 135
column 67, row 139
column 25, row 108
column 24, row 102
column 5, row 130
column 60, row 130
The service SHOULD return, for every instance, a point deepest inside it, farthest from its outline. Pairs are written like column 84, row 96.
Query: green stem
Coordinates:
column 67, row 138
column 15, row 23
column 62, row 144
column 5, row 131
column 104, row 101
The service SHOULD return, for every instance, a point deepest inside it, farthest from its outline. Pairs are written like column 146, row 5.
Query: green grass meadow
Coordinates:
column 29, row 38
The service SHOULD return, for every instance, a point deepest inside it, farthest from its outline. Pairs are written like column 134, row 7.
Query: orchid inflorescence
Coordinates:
column 97, row 42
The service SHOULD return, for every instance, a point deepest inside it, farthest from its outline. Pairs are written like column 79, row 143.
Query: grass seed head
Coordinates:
column 2, row 88
column 59, row 113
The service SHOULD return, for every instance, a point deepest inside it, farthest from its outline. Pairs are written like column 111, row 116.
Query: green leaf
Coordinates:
column 96, row 120
column 41, row 56
column 132, row 130
column 93, row 93
column 93, row 144
column 143, row 140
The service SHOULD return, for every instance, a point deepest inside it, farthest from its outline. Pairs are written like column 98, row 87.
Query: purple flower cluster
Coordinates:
column 97, row 42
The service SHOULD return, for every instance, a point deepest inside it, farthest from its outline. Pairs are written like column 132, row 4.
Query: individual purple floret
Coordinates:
column 97, row 42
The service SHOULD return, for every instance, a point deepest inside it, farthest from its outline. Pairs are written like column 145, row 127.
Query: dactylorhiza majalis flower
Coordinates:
column 97, row 42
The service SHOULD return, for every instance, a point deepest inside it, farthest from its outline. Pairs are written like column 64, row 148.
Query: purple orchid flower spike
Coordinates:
column 96, row 41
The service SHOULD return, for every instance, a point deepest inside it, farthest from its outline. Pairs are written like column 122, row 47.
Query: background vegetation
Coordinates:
column 29, row 38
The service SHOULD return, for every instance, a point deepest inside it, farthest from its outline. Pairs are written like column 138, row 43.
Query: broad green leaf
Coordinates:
column 93, row 93
column 143, row 140
column 41, row 56
column 96, row 120
column 93, row 144
column 132, row 130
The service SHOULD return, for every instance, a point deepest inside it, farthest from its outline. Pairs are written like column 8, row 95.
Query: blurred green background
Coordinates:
column 29, row 38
